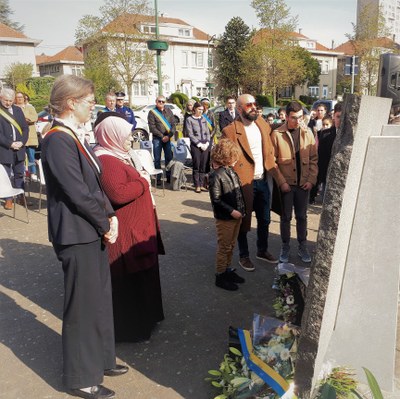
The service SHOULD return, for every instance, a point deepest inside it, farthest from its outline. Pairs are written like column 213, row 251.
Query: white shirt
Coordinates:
column 254, row 138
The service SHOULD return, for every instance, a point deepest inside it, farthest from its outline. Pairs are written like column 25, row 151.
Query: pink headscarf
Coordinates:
column 111, row 134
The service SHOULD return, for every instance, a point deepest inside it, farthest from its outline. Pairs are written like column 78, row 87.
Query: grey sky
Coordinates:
column 54, row 21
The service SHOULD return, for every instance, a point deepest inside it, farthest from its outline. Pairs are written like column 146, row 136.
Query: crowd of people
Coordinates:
column 102, row 218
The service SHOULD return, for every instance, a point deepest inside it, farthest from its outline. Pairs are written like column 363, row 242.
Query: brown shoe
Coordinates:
column 267, row 257
column 21, row 201
column 246, row 264
column 198, row 190
column 8, row 205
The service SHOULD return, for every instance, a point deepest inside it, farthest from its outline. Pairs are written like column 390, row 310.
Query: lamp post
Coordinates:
column 158, row 46
column 209, row 84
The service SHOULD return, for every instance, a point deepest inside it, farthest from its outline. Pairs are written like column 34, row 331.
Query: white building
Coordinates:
column 390, row 10
column 15, row 47
column 184, row 64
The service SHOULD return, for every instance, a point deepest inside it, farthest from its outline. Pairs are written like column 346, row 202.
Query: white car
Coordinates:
column 141, row 132
column 144, row 111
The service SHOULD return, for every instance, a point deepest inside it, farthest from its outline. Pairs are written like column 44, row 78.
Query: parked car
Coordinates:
column 44, row 118
column 144, row 111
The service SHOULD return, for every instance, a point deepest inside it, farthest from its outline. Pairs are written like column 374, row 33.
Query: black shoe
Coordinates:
column 222, row 281
column 97, row 392
column 233, row 277
column 118, row 370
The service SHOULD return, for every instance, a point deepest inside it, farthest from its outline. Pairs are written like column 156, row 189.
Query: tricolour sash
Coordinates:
column 8, row 117
column 255, row 364
column 161, row 118
column 209, row 123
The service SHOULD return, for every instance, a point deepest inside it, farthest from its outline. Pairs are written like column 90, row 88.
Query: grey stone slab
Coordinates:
column 366, row 321
column 390, row 130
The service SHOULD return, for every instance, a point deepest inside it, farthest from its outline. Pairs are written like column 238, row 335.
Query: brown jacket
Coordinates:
column 286, row 170
column 245, row 165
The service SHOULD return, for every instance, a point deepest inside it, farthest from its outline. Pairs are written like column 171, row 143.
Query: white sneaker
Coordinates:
column 34, row 177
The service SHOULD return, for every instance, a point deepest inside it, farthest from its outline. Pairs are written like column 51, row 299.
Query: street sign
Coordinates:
column 351, row 64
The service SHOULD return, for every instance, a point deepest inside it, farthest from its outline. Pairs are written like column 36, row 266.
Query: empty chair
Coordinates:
column 148, row 165
column 42, row 182
column 147, row 145
column 7, row 190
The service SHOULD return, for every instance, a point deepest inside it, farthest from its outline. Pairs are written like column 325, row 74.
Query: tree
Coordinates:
column 17, row 73
column 369, row 40
column 114, row 48
column 279, row 64
column 228, row 73
column 5, row 13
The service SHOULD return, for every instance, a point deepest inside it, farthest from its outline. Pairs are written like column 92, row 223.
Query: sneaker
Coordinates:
column 267, row 257
column 234, row 277
column 223, row 282
column 246, row 264
column 284, row 255
column 304, row 254
column 34, row 177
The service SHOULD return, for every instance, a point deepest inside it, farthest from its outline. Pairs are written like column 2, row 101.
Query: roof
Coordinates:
column 130, row 22
column 348, row 48
column 69, row 54
column 6, row 31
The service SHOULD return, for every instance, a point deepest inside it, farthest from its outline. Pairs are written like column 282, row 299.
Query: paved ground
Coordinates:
column 191, row 339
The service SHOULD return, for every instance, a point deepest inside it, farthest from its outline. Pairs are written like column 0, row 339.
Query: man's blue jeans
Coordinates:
column 261, row 206
column 158, row 146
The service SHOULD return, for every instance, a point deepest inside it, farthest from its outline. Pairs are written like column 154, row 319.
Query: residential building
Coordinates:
column 15, row 47
column 66, row 62
column 328, row 62
column 184, row 63
column 390, row 10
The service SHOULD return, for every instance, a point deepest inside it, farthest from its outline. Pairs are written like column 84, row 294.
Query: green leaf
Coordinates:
column 356, row 394
column 216, row 384
column 221, row 397
column 373, row 384
column 214, row 372
column 235, row 351
column 237, row 381
column 328, row 392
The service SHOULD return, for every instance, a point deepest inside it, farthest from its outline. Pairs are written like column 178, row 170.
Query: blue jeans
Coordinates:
column 158, row 146
column 30, row 153
column 261, row 206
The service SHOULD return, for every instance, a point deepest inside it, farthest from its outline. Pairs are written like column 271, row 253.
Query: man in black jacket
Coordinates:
column 162, row 124
column 229, row 115
column 14, row 133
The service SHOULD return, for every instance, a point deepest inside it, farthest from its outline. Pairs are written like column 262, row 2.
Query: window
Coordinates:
column 148, row 29
column 197, row 59
column 184, row 32
column 139, row 88
column 76, row 70
column 185, row 58
column 324, row 67
column 313, row 91
column 325, row 91
column 9, row 50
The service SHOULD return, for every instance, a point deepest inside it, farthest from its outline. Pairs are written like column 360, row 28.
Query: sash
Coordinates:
column 255, row 364
column 80, row 146
column 162, row 119
column 9, row 118
column 209, row 123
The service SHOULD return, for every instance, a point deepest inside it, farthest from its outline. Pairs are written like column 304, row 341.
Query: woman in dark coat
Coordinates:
column 137, row 300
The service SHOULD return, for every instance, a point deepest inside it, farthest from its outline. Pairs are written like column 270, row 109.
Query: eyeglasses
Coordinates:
column 250, row 105
column 161, row 101
column 90, row 102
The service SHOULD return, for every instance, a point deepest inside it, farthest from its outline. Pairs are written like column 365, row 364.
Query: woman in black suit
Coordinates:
column 81, row 220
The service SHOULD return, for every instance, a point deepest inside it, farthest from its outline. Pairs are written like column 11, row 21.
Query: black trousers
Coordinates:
column 88, row 328
column 200, row 161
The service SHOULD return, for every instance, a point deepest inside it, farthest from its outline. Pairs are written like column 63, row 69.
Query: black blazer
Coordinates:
column 226, row 119
column 78, row 209
column 6, row 136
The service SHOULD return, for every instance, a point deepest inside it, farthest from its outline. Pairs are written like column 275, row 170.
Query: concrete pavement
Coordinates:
column 191, row 340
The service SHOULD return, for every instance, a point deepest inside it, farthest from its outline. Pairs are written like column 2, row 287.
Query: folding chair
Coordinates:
column 42, row 182
column 7, row 190
column 148, row 165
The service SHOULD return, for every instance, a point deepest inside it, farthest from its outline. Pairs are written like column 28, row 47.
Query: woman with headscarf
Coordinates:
column 135, row 278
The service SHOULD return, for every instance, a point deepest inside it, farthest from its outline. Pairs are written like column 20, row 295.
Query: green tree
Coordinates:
column 311, row 67
column 279, row 64
column 5, row 14
column 114, row 48
column 41, row 86
column 369, row 40
column 17, row 73
column 228, row 73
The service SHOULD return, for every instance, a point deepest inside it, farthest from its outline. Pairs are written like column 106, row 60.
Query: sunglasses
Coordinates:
column 161, row 101
column 250, row 105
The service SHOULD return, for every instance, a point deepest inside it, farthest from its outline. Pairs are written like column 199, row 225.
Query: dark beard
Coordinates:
column 249, row 116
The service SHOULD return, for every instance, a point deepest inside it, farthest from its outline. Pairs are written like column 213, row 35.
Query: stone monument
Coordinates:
column 350, row 317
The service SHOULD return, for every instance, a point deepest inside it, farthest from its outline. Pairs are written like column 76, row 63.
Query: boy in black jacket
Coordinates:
column 229, row 208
